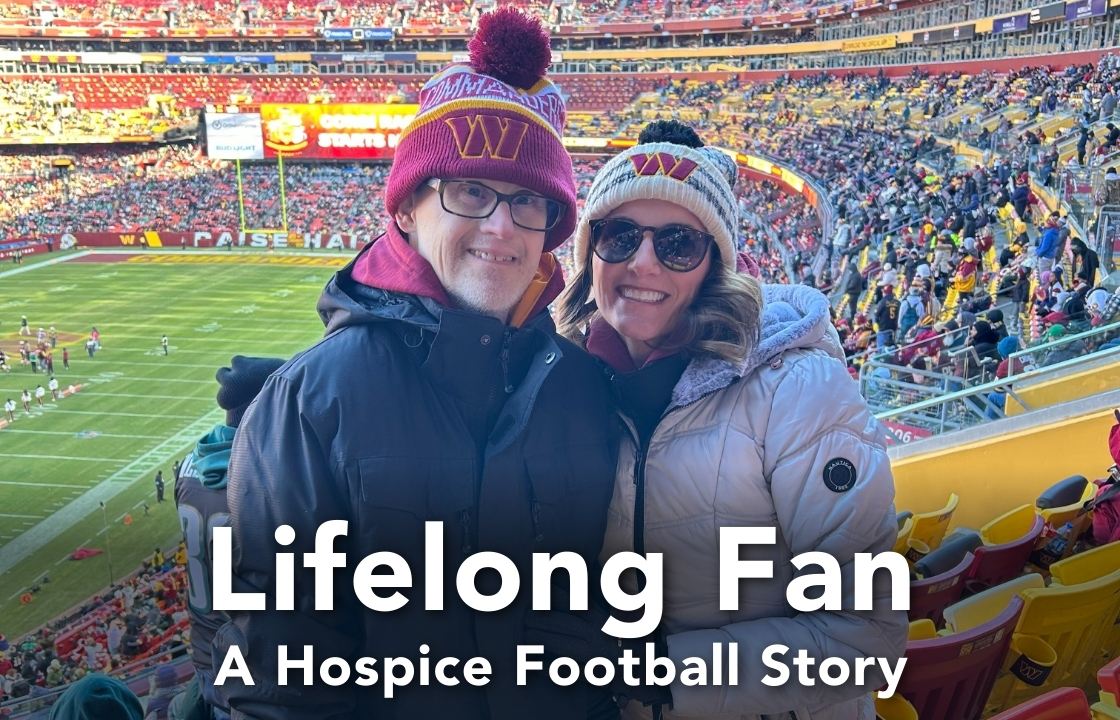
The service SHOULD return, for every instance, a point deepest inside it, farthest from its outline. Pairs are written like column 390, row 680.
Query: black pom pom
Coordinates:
column 670, row 131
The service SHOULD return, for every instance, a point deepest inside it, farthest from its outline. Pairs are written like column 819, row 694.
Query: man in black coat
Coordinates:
column 439, row 393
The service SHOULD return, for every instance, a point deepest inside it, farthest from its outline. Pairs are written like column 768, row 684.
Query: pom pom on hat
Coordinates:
column 670, row 131
column 511, row 47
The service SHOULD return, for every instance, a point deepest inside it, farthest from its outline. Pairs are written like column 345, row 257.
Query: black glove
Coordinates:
column 579, row 635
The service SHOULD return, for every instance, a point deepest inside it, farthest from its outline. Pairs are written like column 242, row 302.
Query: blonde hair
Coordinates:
column 724, row 319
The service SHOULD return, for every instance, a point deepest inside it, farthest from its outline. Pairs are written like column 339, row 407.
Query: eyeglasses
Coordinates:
column 679, row 248
column 470, row 199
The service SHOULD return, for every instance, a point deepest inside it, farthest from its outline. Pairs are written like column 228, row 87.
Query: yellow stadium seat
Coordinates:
column 1070, row 619
column 1010, row 526
column 930, row 527
column 1087, row 566
column 895, row 708
column 980, row 608
column 900, row 545
column 923, row 629
column 1074, row 514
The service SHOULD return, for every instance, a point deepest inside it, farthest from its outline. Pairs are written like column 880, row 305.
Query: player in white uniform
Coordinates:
column 53, row 385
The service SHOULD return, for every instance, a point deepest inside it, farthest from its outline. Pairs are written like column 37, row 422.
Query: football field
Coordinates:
column 134, row 409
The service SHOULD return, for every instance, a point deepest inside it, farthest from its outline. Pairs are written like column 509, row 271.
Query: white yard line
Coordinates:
column 84, row 505
column 45, row 263
column 208, row 398
column 17, row 516
column 102, row 413
column 83, row 458
column 72, row 433
column 125, row 378
column 39, row 484
column 184, row 339
column 136, row 363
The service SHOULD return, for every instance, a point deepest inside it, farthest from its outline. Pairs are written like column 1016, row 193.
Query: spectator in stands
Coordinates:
column 1085, row 262
column 995, row 319
column 912, row 311
column 163, row 684
column 886, row 321
column 97, row 697
column 1103, row 307
column 1064, row 351
column 1020, row 199
column 1108, row 104
column 200, row 491
column 997, row 399
column 854, row 285
column 709, row 345
column 983, row 341
column 441, row 375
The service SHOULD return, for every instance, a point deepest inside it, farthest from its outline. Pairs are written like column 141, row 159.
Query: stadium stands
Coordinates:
column 898, row 211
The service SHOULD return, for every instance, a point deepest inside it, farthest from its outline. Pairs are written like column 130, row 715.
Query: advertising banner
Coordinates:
column 1081, row 9
column 335, row 131
column 332, row 33
column 903, row 434
column 234, row 136
column 1015, row 23
column 1053, row 11
column 881, row 42
column 24, row 248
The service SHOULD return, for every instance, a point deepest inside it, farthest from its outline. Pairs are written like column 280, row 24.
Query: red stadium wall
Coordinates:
column 348, row 240
column 9, row 250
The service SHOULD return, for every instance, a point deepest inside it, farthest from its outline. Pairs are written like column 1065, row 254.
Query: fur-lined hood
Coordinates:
column 793, row 317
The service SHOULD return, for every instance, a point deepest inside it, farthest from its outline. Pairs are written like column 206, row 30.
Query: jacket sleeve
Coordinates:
column 1047, row 242
column 280, row 473
column 817, row 417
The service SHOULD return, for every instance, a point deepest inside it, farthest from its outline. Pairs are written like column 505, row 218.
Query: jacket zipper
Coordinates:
column 640, row 499
column 640, row 472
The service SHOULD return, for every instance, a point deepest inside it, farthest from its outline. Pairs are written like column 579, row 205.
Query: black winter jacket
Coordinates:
column 405, row 412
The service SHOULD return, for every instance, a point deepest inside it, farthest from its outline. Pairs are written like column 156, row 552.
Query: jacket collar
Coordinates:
column 392, row 263
column 793, row 317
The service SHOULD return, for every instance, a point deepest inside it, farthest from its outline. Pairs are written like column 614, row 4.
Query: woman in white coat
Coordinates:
column 741, row 413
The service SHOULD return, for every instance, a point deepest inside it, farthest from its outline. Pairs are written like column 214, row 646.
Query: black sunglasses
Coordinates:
column 679, row 248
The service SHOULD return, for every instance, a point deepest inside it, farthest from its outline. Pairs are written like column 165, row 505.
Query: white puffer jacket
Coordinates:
column 749, row 446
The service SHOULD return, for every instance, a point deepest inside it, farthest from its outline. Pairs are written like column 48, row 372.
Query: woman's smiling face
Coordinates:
column 639, row 297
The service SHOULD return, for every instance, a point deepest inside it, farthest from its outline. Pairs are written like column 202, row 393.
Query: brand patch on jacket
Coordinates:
column 839, row 475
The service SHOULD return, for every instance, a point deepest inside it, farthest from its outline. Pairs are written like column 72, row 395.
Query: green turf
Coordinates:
column 137, row 410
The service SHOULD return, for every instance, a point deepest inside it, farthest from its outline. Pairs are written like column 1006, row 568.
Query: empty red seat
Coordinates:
column 1060, row 704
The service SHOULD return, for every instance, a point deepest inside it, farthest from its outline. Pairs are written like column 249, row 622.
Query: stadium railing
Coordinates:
column 1030, row 357
column 968, row 407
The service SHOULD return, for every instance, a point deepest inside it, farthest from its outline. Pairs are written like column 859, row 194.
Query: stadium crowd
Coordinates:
column 387, row 13
column 924, row 258
column 141, row 616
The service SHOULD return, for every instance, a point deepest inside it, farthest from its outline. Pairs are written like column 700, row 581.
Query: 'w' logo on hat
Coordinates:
column 663, row 164
column 479, row 136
